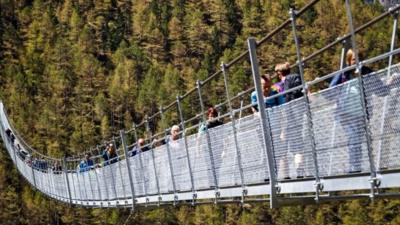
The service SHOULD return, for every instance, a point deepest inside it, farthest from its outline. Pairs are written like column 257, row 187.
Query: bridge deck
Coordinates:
column 109, row 185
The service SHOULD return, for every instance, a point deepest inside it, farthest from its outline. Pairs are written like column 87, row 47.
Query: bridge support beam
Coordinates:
column 153, row 158
column 128, row 167
column 104, row 179
column 233, row 122
column 180, row 111
column 109, row 166
column 98, row 183
column 64, row 166
column 139, row 153
column 208, row 139
column 120, row 171
column 90, row 182
column 171, row 169
column 318, row 185
column 33, row 173
column 252, row 45
column 388, row 74
column 373, row 178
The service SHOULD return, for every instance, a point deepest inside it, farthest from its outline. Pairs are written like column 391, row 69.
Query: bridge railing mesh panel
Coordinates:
column 149, row 173
column 122, row 180
column 95, row 187
column 383, row 105
column 291, row 140
column 163, row 169
column 339, row 129
column 252, row 150
column 104, row 188
column 180, row 165
column 138, row 175
column 200, row 161
column 106, row 183
column 75, row 192
column 225, row 157
column 60, row 187
column 83, row 176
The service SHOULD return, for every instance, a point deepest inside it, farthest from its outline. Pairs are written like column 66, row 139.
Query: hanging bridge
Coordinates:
column 295, row 153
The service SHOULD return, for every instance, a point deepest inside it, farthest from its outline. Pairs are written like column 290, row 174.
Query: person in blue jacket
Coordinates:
column 86, row 164
column 350, row 117
column 267, row 92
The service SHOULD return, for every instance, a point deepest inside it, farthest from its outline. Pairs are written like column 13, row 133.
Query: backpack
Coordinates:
column 291, row 81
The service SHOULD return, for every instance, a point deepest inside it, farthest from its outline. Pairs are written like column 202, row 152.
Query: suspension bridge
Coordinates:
column 295, row 153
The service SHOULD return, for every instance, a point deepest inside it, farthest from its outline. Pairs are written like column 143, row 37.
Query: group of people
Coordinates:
column 10, row 135
column 109, row 156
column 287, row 81
column 348, row 119
column 273, row 97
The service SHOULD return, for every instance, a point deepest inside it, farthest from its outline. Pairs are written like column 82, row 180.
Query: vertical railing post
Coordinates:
column 252, row 45
column 139, row 154
column 64, row 166
column 76, row 184
column 90, row 180
column 343, row 54
column 73, row 182
column 51, row 179
column 233, row 122
column 208, row 139
column 85, row 197
column 388, row 74
column 318, row 186
column 128, row 167
column 373, row 179
column 171, row 169
column 154, row 160
column 13, row 148
column 47, row 176
column 333, row 135
column 77, row 171
column 120, row 170
column 180, row 111
column 113, row 185
column 98, row 183
column 33, row 172
column 104, row 178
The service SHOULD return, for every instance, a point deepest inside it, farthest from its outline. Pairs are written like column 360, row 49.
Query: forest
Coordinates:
column 75, row 72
